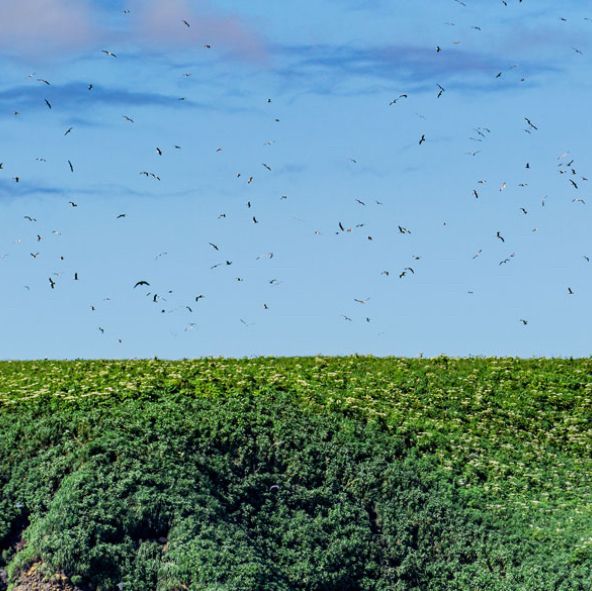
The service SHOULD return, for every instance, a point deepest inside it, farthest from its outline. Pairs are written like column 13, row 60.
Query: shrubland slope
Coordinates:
column 298, row 473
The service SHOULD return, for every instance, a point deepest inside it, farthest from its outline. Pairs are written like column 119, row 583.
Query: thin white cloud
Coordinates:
column 44, row 28
column 41, row 27
column 179, row 24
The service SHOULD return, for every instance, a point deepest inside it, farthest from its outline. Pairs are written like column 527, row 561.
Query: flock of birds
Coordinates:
column 566, row 167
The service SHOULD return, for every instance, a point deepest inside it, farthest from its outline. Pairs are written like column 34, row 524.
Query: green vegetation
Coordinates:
column 299, row 474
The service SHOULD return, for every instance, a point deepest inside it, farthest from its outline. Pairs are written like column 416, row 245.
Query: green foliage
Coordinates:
column 299, row 474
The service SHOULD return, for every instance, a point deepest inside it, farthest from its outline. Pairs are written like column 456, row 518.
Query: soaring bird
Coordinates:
column 395, row 100
column 107, row 52
column 530, row 123
column 141, row 283
column 422, row 139
column 499, row 236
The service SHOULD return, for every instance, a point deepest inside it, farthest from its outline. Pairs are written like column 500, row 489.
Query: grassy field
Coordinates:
column 298, row 474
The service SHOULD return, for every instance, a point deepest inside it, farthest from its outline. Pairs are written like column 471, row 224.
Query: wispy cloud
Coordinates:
column 75, row 96
column 178, row 24
column 33, row 27
column 38, row 29
column 327, row 68
column 10, row 188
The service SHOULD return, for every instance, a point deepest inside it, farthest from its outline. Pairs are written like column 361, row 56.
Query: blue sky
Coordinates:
column 330, row 136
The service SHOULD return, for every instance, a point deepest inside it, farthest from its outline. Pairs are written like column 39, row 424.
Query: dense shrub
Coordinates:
column 244, row 486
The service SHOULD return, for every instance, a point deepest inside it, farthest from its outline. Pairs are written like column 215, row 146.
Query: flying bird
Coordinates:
column 530, row 123
column 394, row 101
column 141, row 283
